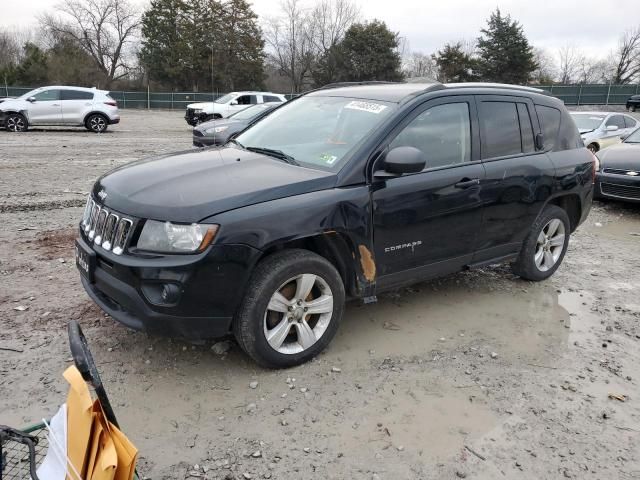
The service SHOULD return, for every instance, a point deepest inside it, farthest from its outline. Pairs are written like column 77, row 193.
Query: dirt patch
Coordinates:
column 55, row 243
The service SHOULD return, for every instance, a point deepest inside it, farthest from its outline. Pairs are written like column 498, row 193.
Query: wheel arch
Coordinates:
column 570, row 203
column 95, row 112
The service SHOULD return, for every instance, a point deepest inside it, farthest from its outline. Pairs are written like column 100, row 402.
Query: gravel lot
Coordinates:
column 477, row 375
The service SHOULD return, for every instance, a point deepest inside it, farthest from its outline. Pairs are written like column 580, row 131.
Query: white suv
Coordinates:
column 227, row 105
column 71, row 106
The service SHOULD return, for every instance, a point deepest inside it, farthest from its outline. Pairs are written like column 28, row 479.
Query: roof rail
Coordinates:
column 494, row 85
column 355, row 84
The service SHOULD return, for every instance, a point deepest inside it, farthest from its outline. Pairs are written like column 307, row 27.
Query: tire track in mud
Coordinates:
column 50, row 205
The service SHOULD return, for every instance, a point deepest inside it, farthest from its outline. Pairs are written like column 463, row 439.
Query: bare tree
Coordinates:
column 290, row 41
column 569, row 60
column 596, row 71
column 627, row 57
column 330, row 20
column 546, row 72
column 420, row 65
column 102, row 28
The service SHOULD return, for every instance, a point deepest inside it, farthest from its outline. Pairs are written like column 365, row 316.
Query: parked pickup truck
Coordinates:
column 342, row 193
column 228, row 105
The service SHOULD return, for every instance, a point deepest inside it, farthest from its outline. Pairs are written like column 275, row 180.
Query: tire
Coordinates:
column 632, row 108
column 16, row 122
column 288, row 325
column 529, row 264
column 593, row 147
column 97, row 123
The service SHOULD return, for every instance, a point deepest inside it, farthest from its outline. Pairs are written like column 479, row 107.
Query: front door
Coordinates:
column 240, row 103
column 46, row 108
column 426, row 223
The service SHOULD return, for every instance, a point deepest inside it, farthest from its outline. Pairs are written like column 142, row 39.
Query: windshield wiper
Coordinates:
column 279, row 154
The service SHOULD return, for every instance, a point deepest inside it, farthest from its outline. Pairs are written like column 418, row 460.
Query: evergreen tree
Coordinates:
column 505, row 53
column 32, row 71
column 369, row 51
column 455, row 65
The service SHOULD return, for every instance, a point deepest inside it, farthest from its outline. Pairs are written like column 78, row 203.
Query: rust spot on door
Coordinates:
column 368, row 265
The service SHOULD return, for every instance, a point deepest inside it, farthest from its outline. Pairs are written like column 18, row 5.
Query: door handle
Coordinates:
column 467, row 183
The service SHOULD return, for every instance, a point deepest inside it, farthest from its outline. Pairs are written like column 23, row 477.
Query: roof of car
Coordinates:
column 396, row 92
column 66, row 87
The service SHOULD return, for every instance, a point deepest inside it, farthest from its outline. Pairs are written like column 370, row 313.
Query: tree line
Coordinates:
column 222, row 45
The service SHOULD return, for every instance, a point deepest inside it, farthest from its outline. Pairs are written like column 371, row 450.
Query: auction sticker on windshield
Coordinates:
column 328, row 159
column 365, row 106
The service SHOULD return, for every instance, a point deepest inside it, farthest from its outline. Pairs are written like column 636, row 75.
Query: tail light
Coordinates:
column 113, row 103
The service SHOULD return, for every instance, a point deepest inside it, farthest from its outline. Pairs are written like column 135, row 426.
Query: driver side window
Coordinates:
column 442, row 132
column 47, row 96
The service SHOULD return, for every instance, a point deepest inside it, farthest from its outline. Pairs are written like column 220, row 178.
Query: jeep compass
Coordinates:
column 342, row 193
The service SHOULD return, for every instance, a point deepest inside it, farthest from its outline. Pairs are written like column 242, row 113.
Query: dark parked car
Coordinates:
column 618, row 175
column 342, row 193
column 218, row 132
column 633, row 103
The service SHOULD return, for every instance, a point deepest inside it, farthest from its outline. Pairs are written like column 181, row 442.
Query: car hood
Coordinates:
column 191, row 186
column 206, row 106
column 12, row 104
column 623, row 156
column 230, row 123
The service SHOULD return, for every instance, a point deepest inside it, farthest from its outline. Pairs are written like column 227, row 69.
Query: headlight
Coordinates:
column 197, row 110
column 169, row 237
column 216, row 130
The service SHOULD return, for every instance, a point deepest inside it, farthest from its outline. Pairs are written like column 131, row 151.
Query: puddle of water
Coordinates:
column 527, row 323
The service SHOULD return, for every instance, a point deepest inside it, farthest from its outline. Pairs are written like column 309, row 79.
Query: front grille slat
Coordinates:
column 620, row 191
column 105, row 228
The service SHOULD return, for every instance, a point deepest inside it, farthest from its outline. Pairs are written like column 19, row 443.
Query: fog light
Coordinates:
column 170, row 293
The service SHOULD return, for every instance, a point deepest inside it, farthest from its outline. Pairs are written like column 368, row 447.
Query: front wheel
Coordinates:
column 16, row 122
column 291, row 310
column 545, row 246
column 97, row 123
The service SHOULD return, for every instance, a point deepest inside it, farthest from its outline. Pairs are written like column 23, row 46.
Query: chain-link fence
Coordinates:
column 582, row 94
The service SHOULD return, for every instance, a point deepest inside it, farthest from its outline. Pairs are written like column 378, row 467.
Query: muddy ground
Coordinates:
column 477, row 375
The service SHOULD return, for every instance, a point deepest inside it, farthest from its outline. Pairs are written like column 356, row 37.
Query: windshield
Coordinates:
column 30, row 93
column 634, row 137
column 249, row 113
column 316, row 131
column 586, row 121
column 225, row 98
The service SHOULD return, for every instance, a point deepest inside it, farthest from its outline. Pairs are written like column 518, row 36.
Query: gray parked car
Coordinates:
column 603, row 129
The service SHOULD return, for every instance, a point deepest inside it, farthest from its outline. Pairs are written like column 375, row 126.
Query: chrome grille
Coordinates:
column 620, row 171
column 106, row 229
column 620, row 191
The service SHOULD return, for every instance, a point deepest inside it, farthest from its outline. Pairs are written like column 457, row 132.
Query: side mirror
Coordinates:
column 611, row 128
column 400, row 160
column 31, row 99
column 234, row 102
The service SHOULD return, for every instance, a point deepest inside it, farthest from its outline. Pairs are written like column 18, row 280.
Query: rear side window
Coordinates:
column 500, row 127
column 526, row 130
column 271, row 98
column 549, row 118
column 569, row 136
column 76, row 95
column 247, row 100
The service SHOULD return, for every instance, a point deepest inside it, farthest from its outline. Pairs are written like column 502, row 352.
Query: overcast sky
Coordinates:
column 593, row 25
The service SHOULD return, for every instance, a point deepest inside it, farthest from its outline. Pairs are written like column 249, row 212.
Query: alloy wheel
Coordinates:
column 550, row 245
column 97, row 124
column 15, row 124
column 298, row 314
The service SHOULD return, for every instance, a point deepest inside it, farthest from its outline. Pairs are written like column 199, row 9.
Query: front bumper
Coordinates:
column 209, row 286
column 625, row 188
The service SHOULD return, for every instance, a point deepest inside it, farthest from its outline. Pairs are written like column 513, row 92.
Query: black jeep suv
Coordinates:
column 344, row 192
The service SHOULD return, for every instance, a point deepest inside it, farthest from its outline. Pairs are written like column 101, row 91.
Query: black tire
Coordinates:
column 97, row 123
column 525, row 266
column 593, row 147
column 269, row 277
column 16, row 122
column 632, row 108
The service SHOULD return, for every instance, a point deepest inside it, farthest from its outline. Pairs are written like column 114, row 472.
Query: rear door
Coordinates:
column 241, row 102
column 426, row 223
column 519, row 177
column 75, row 104
column 46, row 109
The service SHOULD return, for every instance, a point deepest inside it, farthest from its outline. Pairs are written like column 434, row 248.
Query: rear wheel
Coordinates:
column 16, row 122
column 291, row 310
column 545, row 246
column 96, row 123
column 632, row 108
